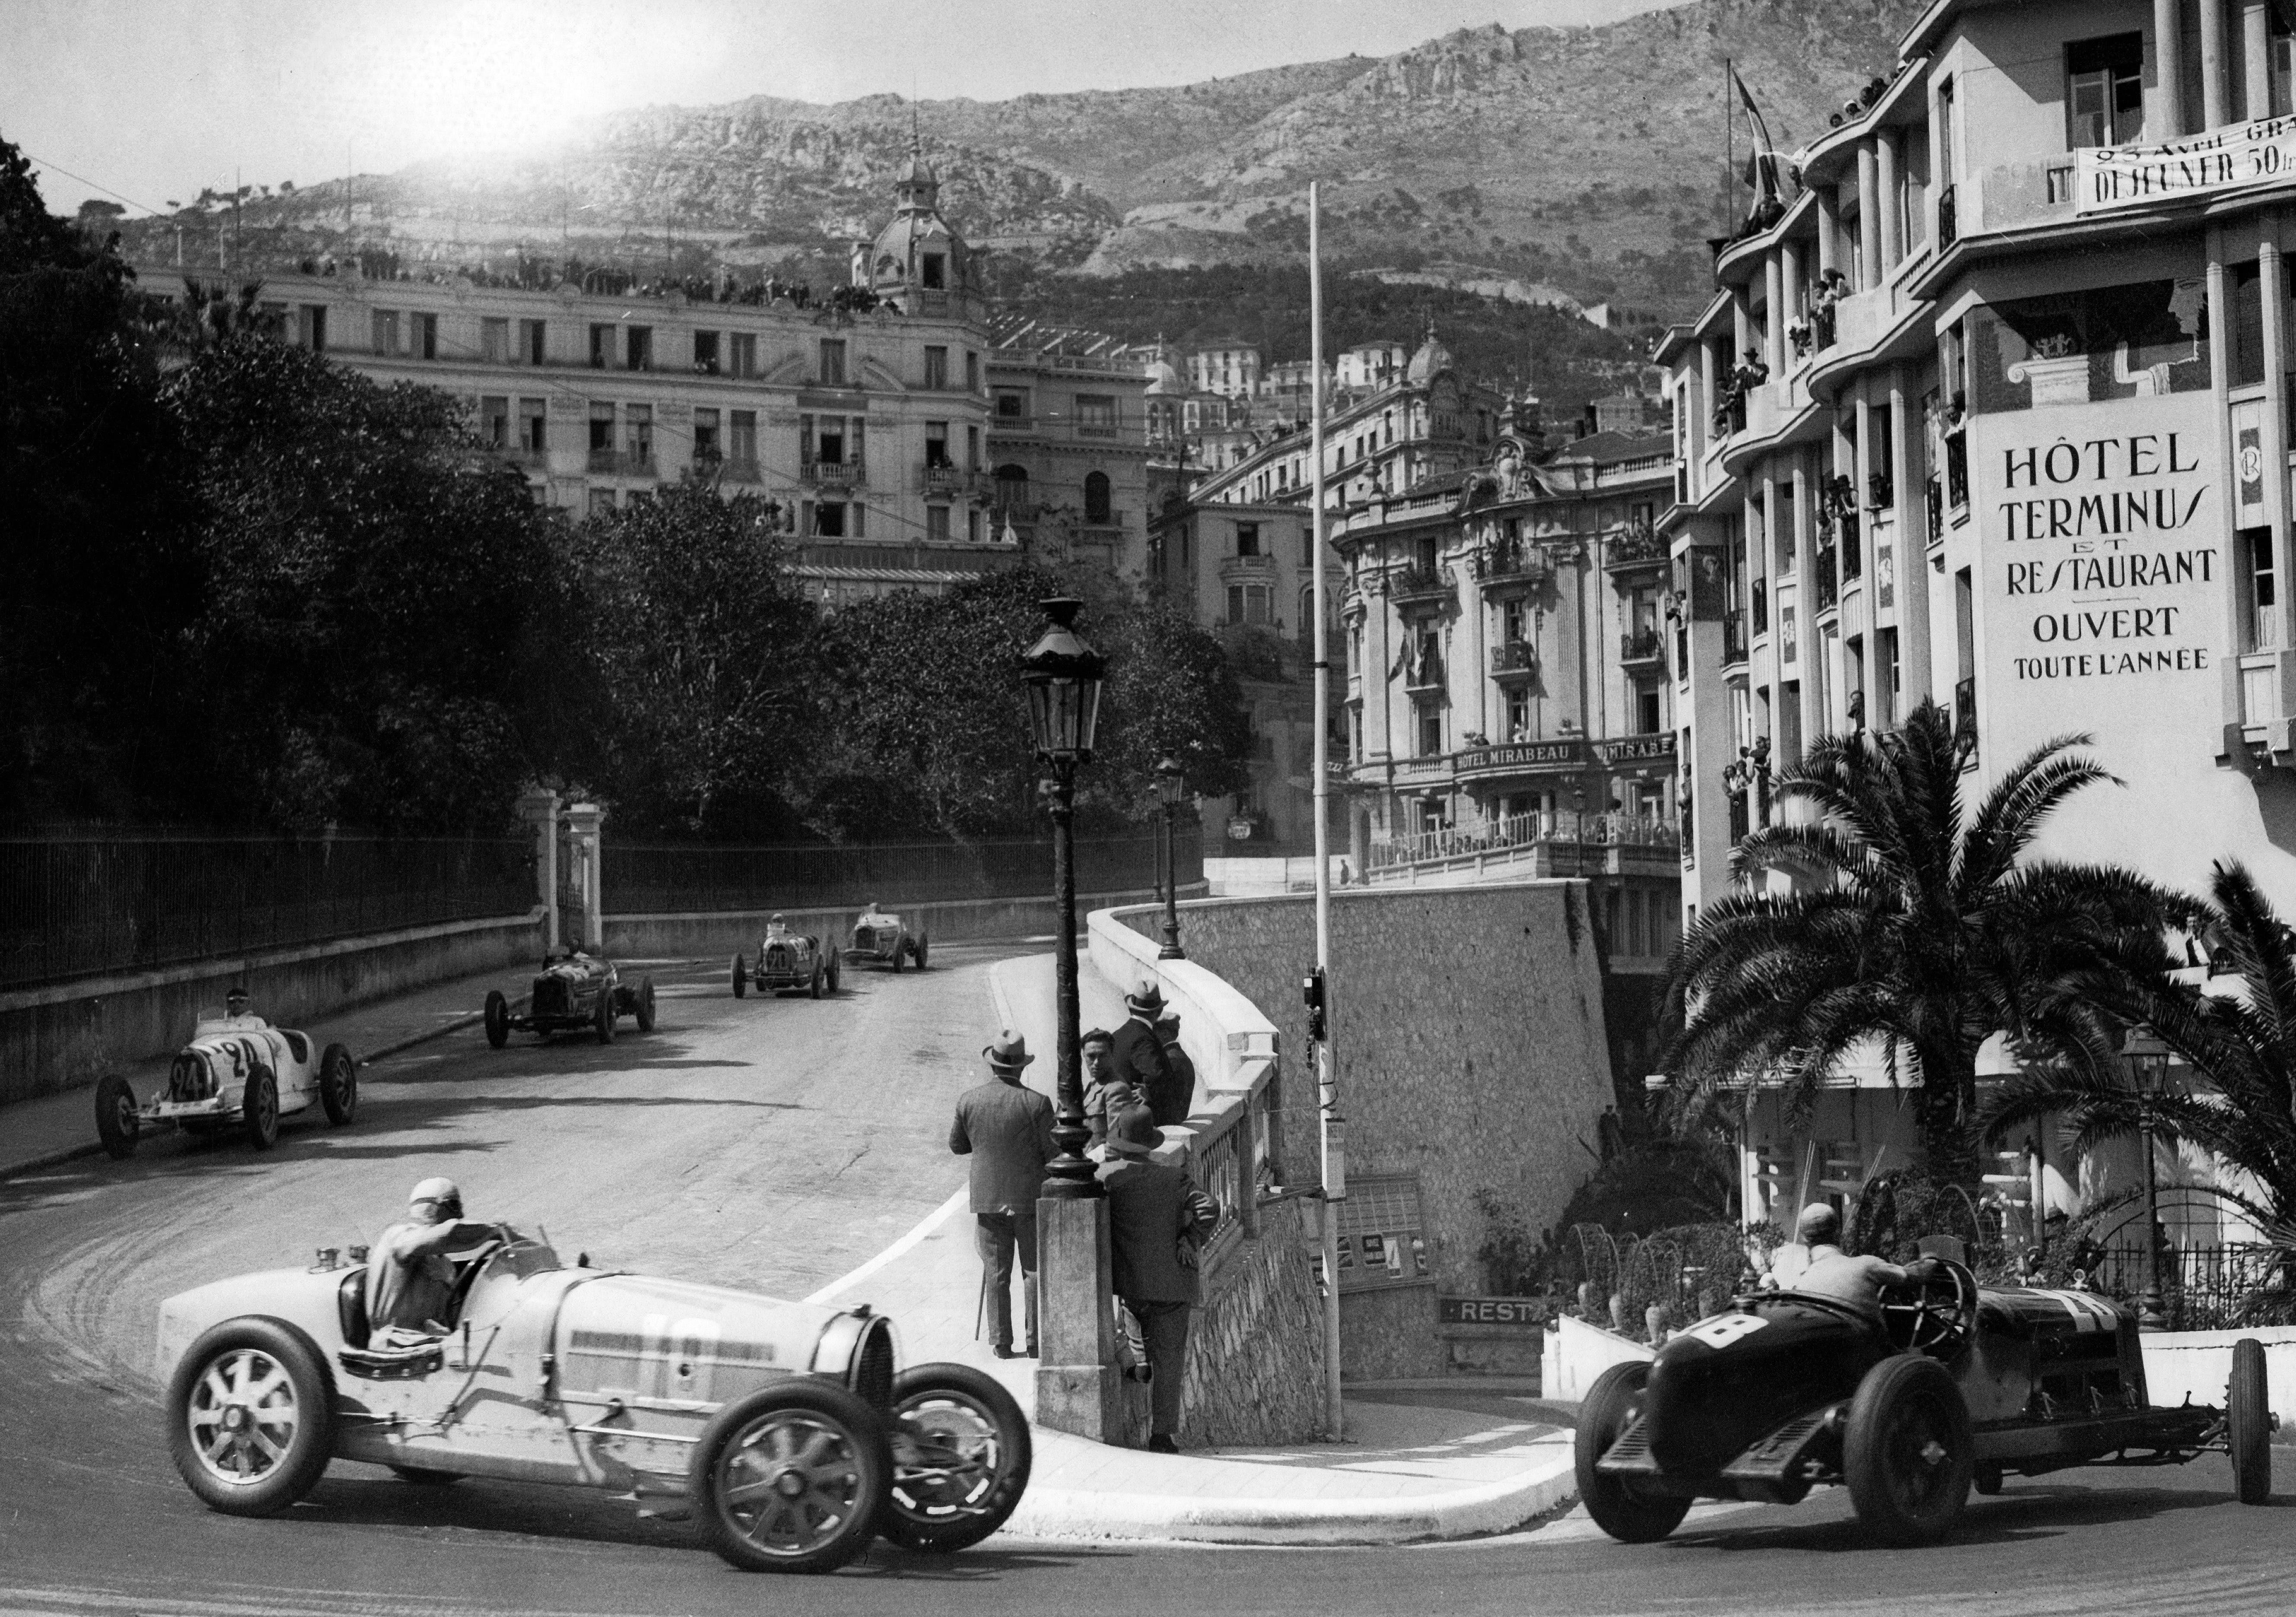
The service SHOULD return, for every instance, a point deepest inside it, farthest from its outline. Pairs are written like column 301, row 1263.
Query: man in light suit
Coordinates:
column 1006, row 1129
column 1154, row 1211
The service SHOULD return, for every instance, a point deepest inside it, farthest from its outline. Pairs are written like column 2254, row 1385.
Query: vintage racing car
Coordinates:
column 880, row 937
column 1953, row 1386
column 787, row 960
column 575, row 989
column 237, row 1072
column 783, row 1428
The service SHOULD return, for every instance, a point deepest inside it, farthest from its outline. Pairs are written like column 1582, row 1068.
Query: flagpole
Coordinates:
column 1333, row 1164
column 1729, row 148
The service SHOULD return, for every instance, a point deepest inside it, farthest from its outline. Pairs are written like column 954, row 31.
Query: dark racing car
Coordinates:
column 572, row 991
column 1953, row 1387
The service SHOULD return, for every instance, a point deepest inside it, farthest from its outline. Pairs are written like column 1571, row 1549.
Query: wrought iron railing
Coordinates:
column 1964, row 716
column 1829, row 590
column 1948, row 220
column 1514, row 657
column 1761, row 592
column 1733, row 637
column 1613, row 828
column 1638, row 645
column 1957, row 470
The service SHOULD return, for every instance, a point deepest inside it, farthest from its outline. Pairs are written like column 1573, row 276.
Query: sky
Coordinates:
column 148, row 101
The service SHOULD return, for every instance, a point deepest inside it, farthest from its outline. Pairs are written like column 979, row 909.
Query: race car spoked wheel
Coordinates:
column 117, row 1123
column 960, row 1458
column 1908, row 1454
column 338, row 1084
column 1618, row 1507
column 2248, row 1412
column 646, row 1004
column 497, row 1019
column 741, row 977
column 259, row 1110
column 791, row 1477
column 603, row 1020
column 250, row 1418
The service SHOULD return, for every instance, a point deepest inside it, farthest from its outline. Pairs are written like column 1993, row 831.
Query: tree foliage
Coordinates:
column 1914, row 922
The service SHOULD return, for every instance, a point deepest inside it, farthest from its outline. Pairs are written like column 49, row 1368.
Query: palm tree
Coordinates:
column 1914, row 921
column 2244, row 1043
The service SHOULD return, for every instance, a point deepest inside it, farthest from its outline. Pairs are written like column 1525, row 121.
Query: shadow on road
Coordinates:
column 2013, row 1517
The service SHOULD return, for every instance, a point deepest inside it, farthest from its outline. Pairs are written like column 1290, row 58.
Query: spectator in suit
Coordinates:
column 1156, row 1217
column 1183, row 1092
column 1006, row 1129
column 1138, row 1055
column 1099, row 1073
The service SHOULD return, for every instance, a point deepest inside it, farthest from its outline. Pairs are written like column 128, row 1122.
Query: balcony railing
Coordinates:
column 1948, row 230
column 1761, row 592
column 849, row 473
column 1613, row 829
column 1504, row 563
column 1639, row 645
column 1933, row 497
column 1733, row 637
column 1424, row 675
column 1417, row 582
column 1957, row 470
column 944, row 478
column 1829, row 590
column 1965, row 717
column 1514, row 659
column 621, row 463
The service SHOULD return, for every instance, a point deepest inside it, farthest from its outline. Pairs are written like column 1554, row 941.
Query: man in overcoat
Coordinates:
column 1156, row 1218
column 1006, row 1129
column 1138, row 1056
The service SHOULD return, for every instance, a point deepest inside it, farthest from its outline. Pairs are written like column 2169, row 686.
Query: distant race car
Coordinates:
column 881, row 938
column 1954, row 1386
column 785, row 961
column 782, row 1427
column 572, row 990
column 237, row 1072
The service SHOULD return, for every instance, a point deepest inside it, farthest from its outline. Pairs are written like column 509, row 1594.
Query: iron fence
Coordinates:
column 85, row 906
column 2205, row 1288
column 663, row 878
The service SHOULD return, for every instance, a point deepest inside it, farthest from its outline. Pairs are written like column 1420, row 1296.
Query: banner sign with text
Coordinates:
column 2233, row 157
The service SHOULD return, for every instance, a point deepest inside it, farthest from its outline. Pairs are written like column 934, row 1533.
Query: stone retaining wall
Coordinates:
column 1256, row 1343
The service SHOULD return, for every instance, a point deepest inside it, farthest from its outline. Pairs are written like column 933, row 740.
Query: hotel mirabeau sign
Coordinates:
column 2229, row 159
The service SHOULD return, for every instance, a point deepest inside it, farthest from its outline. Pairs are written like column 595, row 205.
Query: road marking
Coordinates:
column 930, row 1222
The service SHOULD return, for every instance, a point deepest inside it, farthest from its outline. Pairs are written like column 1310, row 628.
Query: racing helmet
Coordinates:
column 443, row 1192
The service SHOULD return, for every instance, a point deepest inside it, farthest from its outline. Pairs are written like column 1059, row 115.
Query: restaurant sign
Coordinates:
column 2233, row 157
column 1522, row 756
column 1522, row 1313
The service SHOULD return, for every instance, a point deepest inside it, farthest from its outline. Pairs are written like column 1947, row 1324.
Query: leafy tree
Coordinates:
column 697, row 647
column 1914, row 921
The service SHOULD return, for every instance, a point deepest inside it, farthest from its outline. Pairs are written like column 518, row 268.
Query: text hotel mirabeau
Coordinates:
column 2103, row 551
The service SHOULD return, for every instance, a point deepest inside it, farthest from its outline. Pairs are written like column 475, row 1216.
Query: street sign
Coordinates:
column 1522, row 1313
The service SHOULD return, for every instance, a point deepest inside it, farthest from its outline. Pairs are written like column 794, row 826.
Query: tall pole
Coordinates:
column 1171, row 949
column 2151, row 1312
column 1067, row 1175
column 1327, row 1087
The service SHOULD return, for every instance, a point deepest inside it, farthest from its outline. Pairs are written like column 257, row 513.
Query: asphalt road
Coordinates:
column 777, row 1146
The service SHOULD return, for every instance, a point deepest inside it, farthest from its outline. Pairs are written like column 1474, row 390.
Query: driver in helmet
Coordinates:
column 410, row 1285
column 1833, row 1272
column 777, row 926
column 236, row 1003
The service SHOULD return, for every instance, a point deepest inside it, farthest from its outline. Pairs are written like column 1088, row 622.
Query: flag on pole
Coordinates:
column 1761, row 162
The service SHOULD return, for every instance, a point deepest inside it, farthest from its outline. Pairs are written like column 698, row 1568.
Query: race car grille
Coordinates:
column 865, row 937
column 190, row 1078
column 777, row 959
column 549, row 997
column 872, row 1377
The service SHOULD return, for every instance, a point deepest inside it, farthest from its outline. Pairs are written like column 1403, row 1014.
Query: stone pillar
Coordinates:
column 537, row 805
column 582, row 823
column 2214, row 112
column 2168, row 120
column 2256, row 44
column 1829, row 231
column 1079, row 1389
column 1869, row 218
column 1792, row 308
column 1885, row 182
column 1913, row 539
column 2273, row 272
column 1774, row 334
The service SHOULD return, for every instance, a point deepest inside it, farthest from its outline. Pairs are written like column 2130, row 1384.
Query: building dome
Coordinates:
column 1431, row 360
column 917, row 251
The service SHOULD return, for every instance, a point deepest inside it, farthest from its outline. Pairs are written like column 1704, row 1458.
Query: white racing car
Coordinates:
column 782, row 1427
column 238, row 1073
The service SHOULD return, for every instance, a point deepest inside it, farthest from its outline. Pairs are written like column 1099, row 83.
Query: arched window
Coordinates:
column 1095, row 498
column 1012, row 486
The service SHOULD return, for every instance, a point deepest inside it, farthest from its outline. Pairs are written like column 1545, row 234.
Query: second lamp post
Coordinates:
column 1171, row 791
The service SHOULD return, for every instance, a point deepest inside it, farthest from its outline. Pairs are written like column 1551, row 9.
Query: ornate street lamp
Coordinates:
column 1063, row 674
column 1171, row 791
column 2148, row 1066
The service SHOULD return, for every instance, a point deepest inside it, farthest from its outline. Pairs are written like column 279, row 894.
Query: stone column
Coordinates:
column 2214, row 111
column 1912, row 550
column 1829, row 231
column 2168, row 120
column 1869, row 218
column 1077, row 1387
column 2273, row 272
column 1885, row 182
column 1774, row 338
column 1788, row 280
column 2256, row 44
column 537, row 805
column 582, row 823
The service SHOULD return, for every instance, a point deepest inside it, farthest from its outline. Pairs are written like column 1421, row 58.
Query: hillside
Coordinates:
column 1588, row 159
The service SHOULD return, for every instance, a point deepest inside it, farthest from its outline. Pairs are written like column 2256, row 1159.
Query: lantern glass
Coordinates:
column 1171, row 784
column 1063, row 676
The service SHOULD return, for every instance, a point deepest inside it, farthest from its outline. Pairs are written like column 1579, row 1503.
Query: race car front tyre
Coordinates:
column 2248, row 1412
column 921, row 954
column 117, row 1121
column 603, row 1020
column 1908, row 1454
column 1618, row 1507
column 900, row 956
column 960, row 1458
column 741, row 977
column 250, row 1416
column 812, row 986
column 497, row 1019
column 338, row 1084
column 258, row 1109
column 836, row 971
column 646, row 1004
column 791, row 1477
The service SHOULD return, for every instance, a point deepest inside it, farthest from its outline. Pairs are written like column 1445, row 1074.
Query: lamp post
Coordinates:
column 1063, row 674
column 1171, row 788
column 2148, row 1065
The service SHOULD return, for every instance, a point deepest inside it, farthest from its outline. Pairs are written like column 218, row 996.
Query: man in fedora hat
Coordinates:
column 1137, row 1056
column 1156, row 1216
column 1006, row 1129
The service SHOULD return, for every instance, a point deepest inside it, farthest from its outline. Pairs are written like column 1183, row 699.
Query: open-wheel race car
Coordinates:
column 238, row 1074
column 1953, row 1387
column 786, row 962
column 881, row 938
column 572, row 991
column 782, row 1429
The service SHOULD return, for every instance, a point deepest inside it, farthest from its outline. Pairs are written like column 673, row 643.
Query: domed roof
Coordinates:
column 1431, row 360
column 916, row 230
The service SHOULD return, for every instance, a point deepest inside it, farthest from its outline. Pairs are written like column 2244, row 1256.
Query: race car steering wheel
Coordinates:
column 1942, row 1313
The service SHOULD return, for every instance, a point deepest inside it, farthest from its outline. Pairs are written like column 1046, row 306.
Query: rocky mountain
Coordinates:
column 1587, row 160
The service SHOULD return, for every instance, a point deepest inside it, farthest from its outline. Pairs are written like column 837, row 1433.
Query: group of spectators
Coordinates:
column 1139, row 1082
column 545, row 275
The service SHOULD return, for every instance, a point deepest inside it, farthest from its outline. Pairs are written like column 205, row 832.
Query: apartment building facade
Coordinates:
column 1996, row 411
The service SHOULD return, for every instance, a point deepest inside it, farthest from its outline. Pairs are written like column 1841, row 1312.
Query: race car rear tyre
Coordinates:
column 258, row 1109
column 812, row 987
column 1908, row 1454
column 741, row 977
column 117, row 1121
column 497, row 1019
column 646, row 1004
column 2248, row 1412
column 603, row 1020
column 899, row 954
column 423, row 1476
column 1618, row 1506
column 791, row 1479
column 960, row 1458
column 250, row 1415
column 338, row 1084
column 921, row 954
